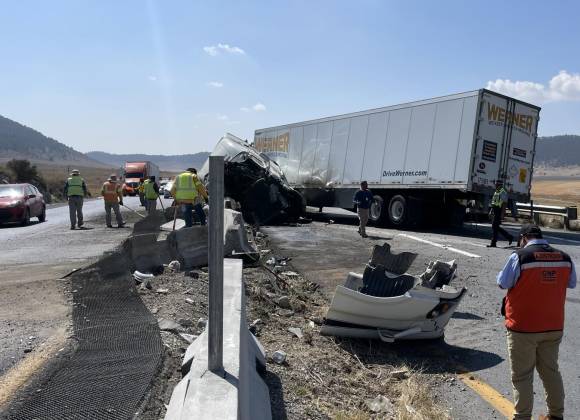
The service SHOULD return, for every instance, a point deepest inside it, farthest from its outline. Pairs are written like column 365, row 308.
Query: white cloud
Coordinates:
column 259, row 107
column 222, row 117
column 152, row 78
column 214, row 50
column 215, row 84
column 562, row 87
column 245, row 109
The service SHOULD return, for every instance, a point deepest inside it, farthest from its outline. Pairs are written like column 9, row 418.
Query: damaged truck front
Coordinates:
column 256, row 183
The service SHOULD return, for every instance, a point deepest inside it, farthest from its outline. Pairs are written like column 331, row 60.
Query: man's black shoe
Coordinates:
column 492, row 246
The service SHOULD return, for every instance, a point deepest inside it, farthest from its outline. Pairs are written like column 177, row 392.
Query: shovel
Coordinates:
column 134, row 211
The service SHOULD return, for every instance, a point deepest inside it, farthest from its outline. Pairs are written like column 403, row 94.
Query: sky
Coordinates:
column 172, row 76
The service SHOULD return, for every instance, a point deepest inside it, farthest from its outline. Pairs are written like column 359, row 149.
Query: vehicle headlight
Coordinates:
column 14, row 204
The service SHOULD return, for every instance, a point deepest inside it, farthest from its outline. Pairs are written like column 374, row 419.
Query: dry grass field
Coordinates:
column 556, row 191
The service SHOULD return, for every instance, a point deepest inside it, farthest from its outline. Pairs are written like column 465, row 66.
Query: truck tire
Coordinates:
column 398, row 211
column 377, row 210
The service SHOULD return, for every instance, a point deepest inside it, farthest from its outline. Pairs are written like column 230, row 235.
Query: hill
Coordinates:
column 170, row 163
column 20, row 142
column 558, row 151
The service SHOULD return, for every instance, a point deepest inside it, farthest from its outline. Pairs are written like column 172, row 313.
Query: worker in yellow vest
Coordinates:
column 184, row 190
column 151, row 192
column 201, row 198
column 75, row 190
column 498, row 205
column 113, row 197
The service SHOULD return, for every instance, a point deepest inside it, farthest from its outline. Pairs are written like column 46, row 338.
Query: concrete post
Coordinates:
column 216, row 263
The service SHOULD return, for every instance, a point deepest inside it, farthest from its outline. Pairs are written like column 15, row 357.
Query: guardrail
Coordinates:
column 536, row 210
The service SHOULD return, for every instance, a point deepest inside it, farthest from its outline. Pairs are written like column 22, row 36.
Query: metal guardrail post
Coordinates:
column 216, row 264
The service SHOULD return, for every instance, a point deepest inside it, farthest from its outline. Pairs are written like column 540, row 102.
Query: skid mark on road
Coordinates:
column 438, row 245
column 488, row 393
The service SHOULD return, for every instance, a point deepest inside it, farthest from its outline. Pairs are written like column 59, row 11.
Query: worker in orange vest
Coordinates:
column 536, row 278
column 113, row 196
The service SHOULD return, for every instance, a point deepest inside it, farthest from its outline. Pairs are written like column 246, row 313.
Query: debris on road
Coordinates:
column 168, row 325
column 389, row 304
column 174, row 266
column 279, row 357
column 296, row 331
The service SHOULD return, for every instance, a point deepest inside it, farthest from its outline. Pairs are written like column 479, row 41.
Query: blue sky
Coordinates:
column 173, row 76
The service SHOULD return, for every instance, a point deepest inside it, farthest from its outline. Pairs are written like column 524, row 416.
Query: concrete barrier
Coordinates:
column 238, row 392
column 190, row 245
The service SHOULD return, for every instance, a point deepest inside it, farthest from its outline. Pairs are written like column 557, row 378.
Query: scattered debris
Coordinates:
column 190, row 338
column 162, row 291
column 290, row 274
column 399, row 374
column 380, row 404
column 174, row 266
column 296, row 331
column 285, row 312
column 283, row 302
column 271, row 261
column 190, row 301
column 192, row 274
column 279, row 357
column 201, row 323
column 168, row 325
column 184, row 322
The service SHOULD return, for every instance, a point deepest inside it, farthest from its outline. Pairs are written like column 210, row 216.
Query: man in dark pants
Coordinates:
column 498, row 204
column 363, row 199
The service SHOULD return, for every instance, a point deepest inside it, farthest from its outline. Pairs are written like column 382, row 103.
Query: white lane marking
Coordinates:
column 557, row 238
column 425, row 241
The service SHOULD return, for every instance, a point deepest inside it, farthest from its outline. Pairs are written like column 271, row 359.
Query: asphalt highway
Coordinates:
column 326, row 250
column 34, row 304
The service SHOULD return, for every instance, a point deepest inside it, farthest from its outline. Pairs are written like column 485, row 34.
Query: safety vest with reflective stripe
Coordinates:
column 536, row 303
column 111, row 192
column 75, row 186
column 496, row 200
column 185, row 188
column 149, row 190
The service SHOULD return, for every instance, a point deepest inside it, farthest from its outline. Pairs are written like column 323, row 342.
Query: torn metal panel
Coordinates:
column 385, row 305
column 257, row 183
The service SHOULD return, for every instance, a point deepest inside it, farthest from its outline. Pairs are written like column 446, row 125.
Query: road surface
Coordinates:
column 34, row 306
column 475, row 338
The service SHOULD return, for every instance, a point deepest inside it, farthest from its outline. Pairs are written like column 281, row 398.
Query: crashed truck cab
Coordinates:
column 389, row 304
column 256, row 183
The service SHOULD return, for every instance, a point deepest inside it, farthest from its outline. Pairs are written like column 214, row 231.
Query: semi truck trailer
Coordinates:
column 431, row 158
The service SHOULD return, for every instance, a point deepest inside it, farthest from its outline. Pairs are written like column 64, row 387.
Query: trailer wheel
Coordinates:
column 377, row 209
column 398, row 210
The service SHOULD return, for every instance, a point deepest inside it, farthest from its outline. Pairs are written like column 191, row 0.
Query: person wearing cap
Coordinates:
column 184, row 190
column 201, row 198
column 75, row 189
column 151, row 193
column 113, row 196
column 536, row 278
column 498, row 205
column 363, row 199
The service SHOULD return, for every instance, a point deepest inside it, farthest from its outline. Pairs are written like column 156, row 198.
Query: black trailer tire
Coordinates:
column 398, row 211
column 377, row 210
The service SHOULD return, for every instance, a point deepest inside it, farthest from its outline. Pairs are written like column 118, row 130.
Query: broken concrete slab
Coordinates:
column 168, row 325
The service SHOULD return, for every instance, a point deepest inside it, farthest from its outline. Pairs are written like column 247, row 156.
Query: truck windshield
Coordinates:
column 134, row 175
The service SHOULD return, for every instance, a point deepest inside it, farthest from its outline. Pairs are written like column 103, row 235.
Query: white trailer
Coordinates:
column 431, row 157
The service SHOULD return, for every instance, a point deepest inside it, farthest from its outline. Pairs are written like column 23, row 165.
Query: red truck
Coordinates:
column 134, row 172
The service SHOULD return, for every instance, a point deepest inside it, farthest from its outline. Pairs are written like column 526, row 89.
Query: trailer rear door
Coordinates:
column 505, row 143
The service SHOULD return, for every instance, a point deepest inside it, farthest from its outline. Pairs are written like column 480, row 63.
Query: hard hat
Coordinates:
column 113, row 177
column 75, row 172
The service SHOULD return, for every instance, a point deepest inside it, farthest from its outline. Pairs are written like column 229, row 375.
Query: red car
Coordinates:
column 20, row 202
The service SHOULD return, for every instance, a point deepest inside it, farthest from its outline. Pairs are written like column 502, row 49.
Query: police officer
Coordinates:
column 184, row 190
column 113, row 196
column 498, row 204
column 151, row 192
column 75, row 189
column 536, row 278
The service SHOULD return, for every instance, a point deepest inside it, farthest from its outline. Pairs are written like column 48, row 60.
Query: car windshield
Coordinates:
column 10, row 191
